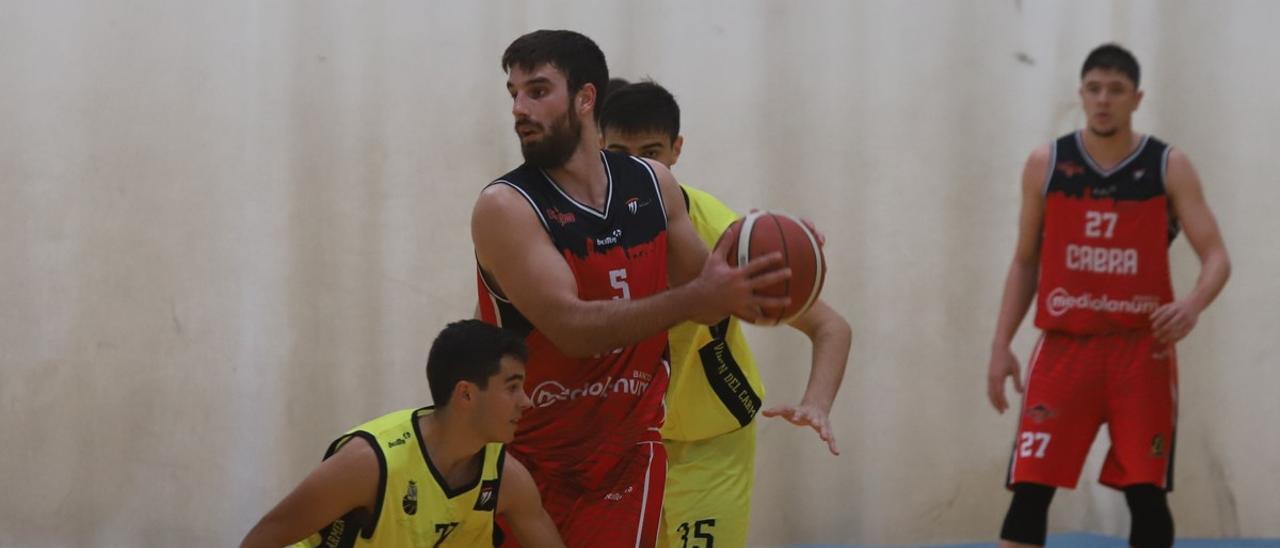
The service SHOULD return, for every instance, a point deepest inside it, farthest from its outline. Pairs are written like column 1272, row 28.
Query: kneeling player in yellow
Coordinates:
column 434, row 476
column 715, row 389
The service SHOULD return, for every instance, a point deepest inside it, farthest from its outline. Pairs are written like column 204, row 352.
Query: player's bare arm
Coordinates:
column 1173, row 321
column 831, row 338
column 521, row 507
column 1020, row 283
column 346, row 481
column 516, row 251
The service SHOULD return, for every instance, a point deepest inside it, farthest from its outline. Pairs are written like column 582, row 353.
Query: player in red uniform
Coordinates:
column 1100, row 207
column 577, row 248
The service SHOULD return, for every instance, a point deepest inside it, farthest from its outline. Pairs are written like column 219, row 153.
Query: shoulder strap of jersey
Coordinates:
column 532, row 203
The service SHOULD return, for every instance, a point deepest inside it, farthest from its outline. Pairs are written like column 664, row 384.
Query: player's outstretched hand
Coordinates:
column 722, row 289
column 1003, row 364
column 807, row 415
column 1173, row 321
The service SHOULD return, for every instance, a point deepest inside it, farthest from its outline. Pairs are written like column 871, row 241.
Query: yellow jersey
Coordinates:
column 715, row 386
column 415, row 505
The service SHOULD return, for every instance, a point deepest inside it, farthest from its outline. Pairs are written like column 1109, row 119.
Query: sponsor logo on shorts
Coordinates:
column 1157, row 445
column 1040, row 413
column 548, row 393
column 615, row 497
column 1059, row 302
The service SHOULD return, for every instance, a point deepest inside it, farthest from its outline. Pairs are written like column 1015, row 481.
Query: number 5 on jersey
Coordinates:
column 618, row 280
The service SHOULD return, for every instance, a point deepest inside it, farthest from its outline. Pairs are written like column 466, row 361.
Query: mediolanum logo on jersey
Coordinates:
column 549, row 393
column 1059, row 301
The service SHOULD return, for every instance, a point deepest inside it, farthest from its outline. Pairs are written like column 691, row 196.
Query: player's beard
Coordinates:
column 558, row 142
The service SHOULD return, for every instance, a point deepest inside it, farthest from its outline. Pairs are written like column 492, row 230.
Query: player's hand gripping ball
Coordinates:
column 763, row 232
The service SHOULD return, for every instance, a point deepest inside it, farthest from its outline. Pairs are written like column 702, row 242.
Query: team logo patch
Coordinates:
column 1070, row 169
column 633, row 205
column 1138, row 173
column 410, row 501
column 1040, row 413
column 1157, row 445
column 487, row 500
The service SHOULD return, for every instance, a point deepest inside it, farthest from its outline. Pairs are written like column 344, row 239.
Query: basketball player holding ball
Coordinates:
column 716, row 391
column 576, row 250
column 1100, row 208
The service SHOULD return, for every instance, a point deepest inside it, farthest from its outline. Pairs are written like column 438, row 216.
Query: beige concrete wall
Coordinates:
column 228, row 230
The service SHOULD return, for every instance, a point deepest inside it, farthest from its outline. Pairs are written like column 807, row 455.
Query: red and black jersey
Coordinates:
column 589, row 412
column 1104, row 261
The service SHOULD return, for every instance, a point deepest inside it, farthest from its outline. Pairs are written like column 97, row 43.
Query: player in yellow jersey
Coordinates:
column 434, row 476
column 715, row 389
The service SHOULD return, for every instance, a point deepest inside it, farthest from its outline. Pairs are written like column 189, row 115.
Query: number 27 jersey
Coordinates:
column 1104, row 260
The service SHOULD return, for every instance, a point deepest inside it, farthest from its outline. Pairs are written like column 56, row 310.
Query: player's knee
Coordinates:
column 1152, row 522
column 1028, row 519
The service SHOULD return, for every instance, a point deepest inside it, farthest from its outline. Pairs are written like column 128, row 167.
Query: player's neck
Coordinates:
column 584, row 176
column 1110, row 150
column 451, row 446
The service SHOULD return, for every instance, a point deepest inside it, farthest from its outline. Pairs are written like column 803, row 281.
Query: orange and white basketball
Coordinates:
column 763, row 232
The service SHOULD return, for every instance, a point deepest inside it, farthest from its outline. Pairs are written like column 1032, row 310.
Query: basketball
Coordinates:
column 763, row 232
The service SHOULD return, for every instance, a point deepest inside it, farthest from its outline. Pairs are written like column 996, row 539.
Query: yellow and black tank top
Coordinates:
column 715, row 386
column 415, row 506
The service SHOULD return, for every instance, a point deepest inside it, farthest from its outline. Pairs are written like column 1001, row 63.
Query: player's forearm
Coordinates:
column 1215, row 269
column 591, row 328
column 535, row 528
column 830, row 357
column 521, row 507
column 832, row 339
column 1019, row 291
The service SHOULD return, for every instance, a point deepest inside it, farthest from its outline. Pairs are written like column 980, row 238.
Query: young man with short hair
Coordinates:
column 1100, row 207
column 432, row 476
column 715, row 389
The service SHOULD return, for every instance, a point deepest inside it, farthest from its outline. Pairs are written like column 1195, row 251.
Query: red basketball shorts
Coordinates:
column 624, row 511
column 1077, row 383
